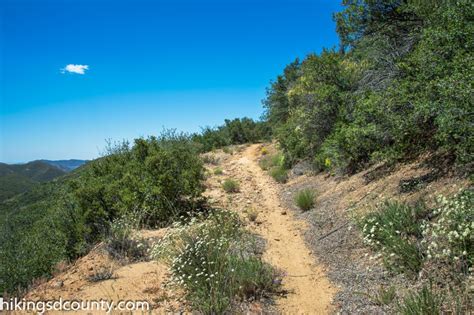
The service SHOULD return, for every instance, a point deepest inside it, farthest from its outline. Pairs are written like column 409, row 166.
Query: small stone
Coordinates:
column 283, row 212
column 58, row 284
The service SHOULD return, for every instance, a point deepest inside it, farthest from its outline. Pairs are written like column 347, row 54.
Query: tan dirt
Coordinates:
column 137, row 281
column 308, row 289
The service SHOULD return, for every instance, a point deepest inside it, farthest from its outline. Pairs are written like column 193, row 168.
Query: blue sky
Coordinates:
column 151, row 65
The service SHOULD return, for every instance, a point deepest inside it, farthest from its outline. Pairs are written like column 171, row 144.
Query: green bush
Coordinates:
column 393, row 230
column 276, row 165
column 218, row 171
column 236, row 131
column 230, row 186
column 402, row 88
column 162, row 177
column 305, row 199
column 213, row 260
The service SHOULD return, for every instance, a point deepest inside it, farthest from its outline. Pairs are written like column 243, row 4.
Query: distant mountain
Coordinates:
column 18, row 178
column 66, row 165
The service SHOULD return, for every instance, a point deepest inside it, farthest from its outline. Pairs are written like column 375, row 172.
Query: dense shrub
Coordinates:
column 236, row 131
column 213, row 259
column 160, row 178
column 31, row 237
column 400, row 85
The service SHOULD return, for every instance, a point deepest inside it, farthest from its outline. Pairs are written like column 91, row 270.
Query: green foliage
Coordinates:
column 305, row 199
column 424, row 302
column 280, row 174
column 218, row 171
column 403, row 87
column 276, row 166
column 159, row 177
column 276, row 103
column 13, row 184
column 236, row 131
column 230, row 186
column 407, row 241
column 393, row 230
column 214, row 260
column 157, row 180
column 269, row 161
column 31, row 236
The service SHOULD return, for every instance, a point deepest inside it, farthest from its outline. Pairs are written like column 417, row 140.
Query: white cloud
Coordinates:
column 79, row 69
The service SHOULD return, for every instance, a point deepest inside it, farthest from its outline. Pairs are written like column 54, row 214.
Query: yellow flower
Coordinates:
column 327, row 162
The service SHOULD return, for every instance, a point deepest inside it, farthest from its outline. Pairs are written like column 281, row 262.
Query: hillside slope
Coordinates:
column 321, row 257
column 18, row 178
column 301, row 276
column 66, row 165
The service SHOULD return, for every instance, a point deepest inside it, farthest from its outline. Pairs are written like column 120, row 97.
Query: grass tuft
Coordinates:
column 252, row 214
column 231, row 186
column 305, row 199
column 424, row 302
column 279, row 174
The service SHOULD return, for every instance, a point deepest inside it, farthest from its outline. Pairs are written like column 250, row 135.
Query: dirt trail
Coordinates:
column 309, row 290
